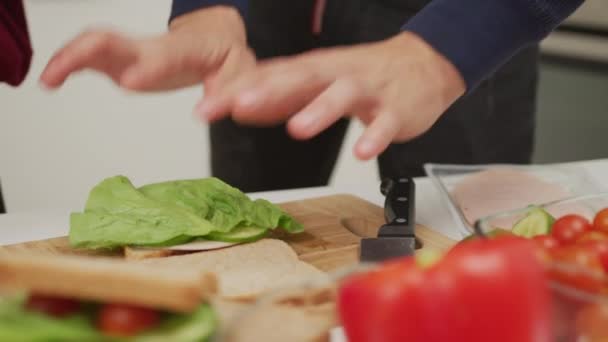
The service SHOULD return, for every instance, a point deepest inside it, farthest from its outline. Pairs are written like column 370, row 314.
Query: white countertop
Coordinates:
column 430, row 210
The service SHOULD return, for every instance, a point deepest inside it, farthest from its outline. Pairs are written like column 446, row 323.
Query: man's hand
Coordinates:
column 398, row 88
column 208, row 45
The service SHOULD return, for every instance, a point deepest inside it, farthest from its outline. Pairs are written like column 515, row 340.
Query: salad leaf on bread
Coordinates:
column 117, row 214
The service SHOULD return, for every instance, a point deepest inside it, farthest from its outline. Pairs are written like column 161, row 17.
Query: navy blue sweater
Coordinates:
column 477, row 36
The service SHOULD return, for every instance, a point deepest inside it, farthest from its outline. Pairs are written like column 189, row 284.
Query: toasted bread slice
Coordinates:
column 106, row 280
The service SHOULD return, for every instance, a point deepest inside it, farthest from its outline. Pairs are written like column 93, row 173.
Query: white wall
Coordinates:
column 55, row 146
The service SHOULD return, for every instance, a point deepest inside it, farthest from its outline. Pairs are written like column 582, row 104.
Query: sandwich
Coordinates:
column 71, row 298
column 46, row 298
column 170, row 217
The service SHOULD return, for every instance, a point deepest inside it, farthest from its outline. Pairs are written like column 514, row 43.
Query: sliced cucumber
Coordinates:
column 241, row 234
column 494, row 233
column 536, row 222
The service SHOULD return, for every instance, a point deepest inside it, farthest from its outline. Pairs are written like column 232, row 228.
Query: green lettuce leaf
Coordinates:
column 117, row 214
column 20, row 325
column 224, row 206
column 169, row 213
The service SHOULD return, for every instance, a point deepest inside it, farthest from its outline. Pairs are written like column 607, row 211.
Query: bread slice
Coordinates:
column 248, row 270
column 305, row 314
column 106, row 280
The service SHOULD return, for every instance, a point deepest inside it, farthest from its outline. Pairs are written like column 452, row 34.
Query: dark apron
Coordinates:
column 492, row 124
column 2, row 207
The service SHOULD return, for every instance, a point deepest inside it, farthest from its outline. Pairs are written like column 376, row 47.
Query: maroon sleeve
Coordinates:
column 15, row 46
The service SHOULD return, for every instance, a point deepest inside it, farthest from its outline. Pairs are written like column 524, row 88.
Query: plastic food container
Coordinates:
column 574, row 180
column 580, row 294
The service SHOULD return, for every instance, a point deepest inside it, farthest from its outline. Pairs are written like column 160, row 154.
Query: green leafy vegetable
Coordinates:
column 20, row 325
column 223, row 205
column 118, row 214
column 241, row 234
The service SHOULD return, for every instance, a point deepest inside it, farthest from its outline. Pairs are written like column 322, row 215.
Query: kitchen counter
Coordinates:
column 431, row 211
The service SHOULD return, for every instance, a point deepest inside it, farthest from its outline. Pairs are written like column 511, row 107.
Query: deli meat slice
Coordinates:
column 500, row 189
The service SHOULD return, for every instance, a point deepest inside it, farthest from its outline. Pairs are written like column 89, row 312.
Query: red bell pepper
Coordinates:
column 480, row 291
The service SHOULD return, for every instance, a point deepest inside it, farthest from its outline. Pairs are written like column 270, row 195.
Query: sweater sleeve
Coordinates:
column 180, row 7
column 15, row 45
column 478, row 36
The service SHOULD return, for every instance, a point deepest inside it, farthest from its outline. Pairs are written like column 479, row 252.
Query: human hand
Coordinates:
column 207, row 45
column 398, row 88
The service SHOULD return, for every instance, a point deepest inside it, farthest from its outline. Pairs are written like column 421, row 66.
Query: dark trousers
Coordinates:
column 492, row 124
column 2, row 207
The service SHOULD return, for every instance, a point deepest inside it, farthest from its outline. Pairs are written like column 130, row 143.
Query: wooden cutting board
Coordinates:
column 327, row 242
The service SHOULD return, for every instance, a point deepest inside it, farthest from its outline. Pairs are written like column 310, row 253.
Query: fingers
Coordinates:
column 155, row 72
column 103, row 51
column 378, row 136
column 217, row 101
column 238, row 62
column 159, row 63
column 213, row 108
column 342, row 97
column 265, row 96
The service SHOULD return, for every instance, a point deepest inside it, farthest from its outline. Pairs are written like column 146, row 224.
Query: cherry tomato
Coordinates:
column 52, row 306
column 592, row 323
column 581, row 266
column 601, row 220
column 599, row 247
column 126, row 320
column 547, row 242
column 592, row 235
column 569, row 228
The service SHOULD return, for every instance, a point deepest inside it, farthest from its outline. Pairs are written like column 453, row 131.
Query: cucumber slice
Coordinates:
column 536, row 222
column 494, row 233
column 241, row 234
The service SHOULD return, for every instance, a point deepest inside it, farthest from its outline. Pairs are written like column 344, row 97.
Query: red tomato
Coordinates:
column 592, row 235
column 466, row 296
column 52, row 306
column 547, row 242
column 126, row 320
column 600, row 222
column 600, row 247
column 592, row 323
column 581, row 265
column 569, row 228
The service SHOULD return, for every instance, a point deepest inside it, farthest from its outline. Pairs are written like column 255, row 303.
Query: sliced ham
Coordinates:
column 500, row 189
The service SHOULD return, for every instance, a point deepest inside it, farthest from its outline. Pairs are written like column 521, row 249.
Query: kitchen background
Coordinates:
column 54, row 147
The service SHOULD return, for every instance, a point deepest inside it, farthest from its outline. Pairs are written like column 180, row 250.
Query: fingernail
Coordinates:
column 130, row 78
column 248, row 99
column 366, row 148
column 42, row 84
column 304, row 120
column 203, row 109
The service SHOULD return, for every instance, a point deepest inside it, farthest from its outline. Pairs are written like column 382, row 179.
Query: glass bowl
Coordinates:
column 579, row 290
